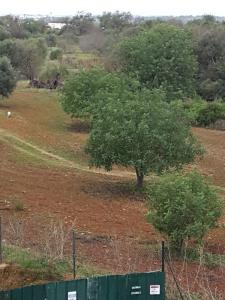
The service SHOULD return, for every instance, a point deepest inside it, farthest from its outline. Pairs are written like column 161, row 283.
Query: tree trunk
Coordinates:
column 140, row 178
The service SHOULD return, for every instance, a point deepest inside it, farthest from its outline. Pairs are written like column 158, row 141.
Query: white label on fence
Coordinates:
column 72, row 295
column 154, row 289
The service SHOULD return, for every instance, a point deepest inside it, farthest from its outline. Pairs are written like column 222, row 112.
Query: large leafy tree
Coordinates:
column 7, row 77
column 140, row 130
column 161, row 57
column 83, row 92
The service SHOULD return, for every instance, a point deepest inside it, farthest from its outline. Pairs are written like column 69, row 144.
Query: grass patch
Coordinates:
column 208, row 259
column 43, row 268
column 40, row 267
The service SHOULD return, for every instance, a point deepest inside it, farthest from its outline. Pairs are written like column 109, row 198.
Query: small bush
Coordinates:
column 19, row 206
column 52, row 70
column 183, row 206
column 202, row 113
column 56, row 54
column 211, row 113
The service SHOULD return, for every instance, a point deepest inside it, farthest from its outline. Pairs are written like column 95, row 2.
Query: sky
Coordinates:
column 136, row 7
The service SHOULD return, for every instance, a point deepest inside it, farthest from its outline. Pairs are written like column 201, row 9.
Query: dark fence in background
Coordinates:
column 141, row 286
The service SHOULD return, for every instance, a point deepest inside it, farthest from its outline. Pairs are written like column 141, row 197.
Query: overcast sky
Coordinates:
column 136, row 7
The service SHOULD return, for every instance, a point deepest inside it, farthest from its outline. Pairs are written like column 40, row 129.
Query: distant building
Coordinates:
column 56, row 25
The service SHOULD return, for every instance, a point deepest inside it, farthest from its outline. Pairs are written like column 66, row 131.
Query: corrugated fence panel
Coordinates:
column 113, row 290
column 82, row 289
column 51, row 291
column 27, row 293
column 140, row 286
column 17, row 294
column 39, row 292
column 60, row 291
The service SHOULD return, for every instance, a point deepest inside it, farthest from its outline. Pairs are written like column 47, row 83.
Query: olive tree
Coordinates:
column 140, row 130
column 7, row 77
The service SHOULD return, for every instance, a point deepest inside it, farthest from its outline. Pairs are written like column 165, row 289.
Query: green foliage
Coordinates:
column 53, row 70
column 34, row 27
column 209, row 42
column 115, row 21
column 192, row 108
column 56, row 54
column 161, row 57
column 51, row 40
column 183, row 206
column 32, row 56
column 79, row 24
column 7, row 77
column 9, row 49
column 26, row 56
column 39, row 266
column 139, row 129
column 83, row 91
column 202, row 113
column 4, row 33
column 211, row 113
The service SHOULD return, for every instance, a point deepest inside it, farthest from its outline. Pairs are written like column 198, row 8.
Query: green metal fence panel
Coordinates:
column 82, row 289
column 143, row 286
column 5, row 295
column 121, row 286
column 102, row 292
column 60, row 291
column 51, row 291
column 17, row 294
column 113, row 290
column 136, row 287
column 39, row 292
column 27, row 293
column 92, row 289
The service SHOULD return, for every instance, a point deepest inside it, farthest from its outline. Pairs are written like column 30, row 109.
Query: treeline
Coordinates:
column 27, row 43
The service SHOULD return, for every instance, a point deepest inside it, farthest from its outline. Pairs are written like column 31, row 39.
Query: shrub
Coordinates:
column 56, row 54
column 211, row 113
column 183, row 206
column 52, row 70
column 191, row 108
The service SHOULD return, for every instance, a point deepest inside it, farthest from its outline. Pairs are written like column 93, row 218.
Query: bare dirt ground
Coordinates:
column 44, row 168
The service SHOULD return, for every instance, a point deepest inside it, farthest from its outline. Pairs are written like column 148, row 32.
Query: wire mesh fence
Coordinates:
column 202, row 275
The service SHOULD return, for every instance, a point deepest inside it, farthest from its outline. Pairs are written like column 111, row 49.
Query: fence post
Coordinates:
column 163, row 256
column 1, row 254
column 74, row 254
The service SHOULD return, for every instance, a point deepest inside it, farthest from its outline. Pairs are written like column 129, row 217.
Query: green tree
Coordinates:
column 32, row 54
column 26, row 56
column 161, row 57
column 183, row 206
column 56, row 53
column 210, row 51
column 53, row 70
column 4, row 34
column 7, row 77
column 83, row 91
column 140, row 130
column 79, row 24
column 115, row 21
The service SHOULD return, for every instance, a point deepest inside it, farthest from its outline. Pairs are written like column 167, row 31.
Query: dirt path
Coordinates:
column 41, row 154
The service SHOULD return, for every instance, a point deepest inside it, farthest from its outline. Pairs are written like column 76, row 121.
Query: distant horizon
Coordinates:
column 145, row 8
column 135, row 15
